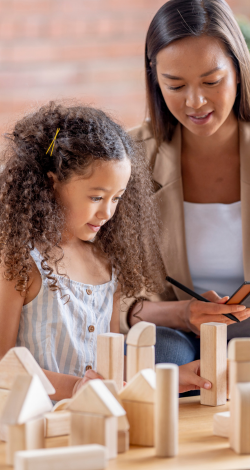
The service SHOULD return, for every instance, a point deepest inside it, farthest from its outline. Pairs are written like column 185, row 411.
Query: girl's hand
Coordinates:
column 197, row 312
column 189, row 378
column 90, row 375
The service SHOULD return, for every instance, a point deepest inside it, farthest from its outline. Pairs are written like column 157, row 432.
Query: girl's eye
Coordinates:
column 116, row 199
column 96, row 199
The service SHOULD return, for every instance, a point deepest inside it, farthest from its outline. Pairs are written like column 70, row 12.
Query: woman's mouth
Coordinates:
column 200, row 119
column 94, row 228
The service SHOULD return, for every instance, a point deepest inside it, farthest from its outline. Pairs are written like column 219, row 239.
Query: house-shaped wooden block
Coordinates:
column 94, row 417
column 23, row 415
column 138, row 399
column 123, row 424
column 19, row 361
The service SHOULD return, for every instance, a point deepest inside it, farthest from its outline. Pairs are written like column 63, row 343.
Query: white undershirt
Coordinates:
column 214, row 250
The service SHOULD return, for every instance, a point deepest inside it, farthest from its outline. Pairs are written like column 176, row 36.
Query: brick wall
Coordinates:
column 91, row 50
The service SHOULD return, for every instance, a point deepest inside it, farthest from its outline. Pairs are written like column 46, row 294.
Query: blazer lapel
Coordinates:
column 244, row 138
column 167, row 172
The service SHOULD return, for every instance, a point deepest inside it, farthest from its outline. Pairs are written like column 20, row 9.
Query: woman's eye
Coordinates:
column 212, row 83
column 175, row 87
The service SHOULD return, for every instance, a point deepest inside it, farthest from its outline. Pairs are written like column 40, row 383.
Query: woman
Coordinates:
column 197, row 142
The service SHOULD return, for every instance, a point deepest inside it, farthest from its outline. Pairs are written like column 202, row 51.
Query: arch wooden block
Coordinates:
column 139, row 359
column 142, row 334
column 166, row 410
column 213, row 364
column 110, row 357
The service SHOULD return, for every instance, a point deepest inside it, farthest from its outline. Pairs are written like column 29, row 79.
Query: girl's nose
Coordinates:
column 105, row 212
column 195, row 99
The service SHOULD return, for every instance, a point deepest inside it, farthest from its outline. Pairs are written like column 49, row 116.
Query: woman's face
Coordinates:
column 198, row 82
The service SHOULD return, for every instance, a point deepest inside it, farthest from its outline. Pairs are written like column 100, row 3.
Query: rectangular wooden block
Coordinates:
column 57, row 423
column 214, row 362
column 57, row 441
column 26, row 436
column 87, row 428
column 139, row 359
column 123, row 441
column 221, row 424
column 141, row 421
column 92, row 457
column 3, row 428
column 241, row 443
column 110, row 357
column 239, row 372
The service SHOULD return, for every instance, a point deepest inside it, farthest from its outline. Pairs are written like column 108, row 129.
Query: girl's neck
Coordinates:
column 224, row 142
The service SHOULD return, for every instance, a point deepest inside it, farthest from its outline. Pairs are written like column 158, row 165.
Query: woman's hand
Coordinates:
column 189, row 378
column 197, row 312
column 90, row 375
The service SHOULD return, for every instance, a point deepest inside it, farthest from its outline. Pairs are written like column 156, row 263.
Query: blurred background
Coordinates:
column 91, row 50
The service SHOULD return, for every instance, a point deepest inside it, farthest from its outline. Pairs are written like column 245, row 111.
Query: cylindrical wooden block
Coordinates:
column 166, row 410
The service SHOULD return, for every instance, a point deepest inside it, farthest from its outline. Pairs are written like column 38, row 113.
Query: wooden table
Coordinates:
column 198, row 448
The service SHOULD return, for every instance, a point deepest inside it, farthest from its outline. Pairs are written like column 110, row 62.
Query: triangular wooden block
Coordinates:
column 19, row 361
column 142, row 334
column 123, row 424
column 94, row 397
column 27, row 400
column 141, row 388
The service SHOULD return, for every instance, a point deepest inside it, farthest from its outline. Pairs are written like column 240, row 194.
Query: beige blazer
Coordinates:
column 166, row 170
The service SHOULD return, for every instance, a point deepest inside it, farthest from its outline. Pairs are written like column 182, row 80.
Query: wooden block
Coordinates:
column 166, row 410
column 142, row 334
column 19, row 361
column 57, row 441
column 110, row 357
column 92, row 457
column 139, row 359
column 141, row 421
column 221, row 424
column 94, row 397
column 123, row 442
column 141, row 388
column 213, row 365
column 239, row 372
column 123, row 424
column 241, row 443
column 27, row 400
column 61, row 405
column 87, row 428
column 239, row 349
column 26, row 436
column 3, row 428
column 57, row 423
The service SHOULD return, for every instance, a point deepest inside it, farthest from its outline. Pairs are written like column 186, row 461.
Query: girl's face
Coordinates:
column 90, row 202
column 198, row 82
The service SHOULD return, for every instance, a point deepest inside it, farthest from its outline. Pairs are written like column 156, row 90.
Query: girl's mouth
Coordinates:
column 203, row 119
column 94, row 228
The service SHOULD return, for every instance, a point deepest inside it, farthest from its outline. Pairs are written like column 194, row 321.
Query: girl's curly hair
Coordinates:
column 30, row 214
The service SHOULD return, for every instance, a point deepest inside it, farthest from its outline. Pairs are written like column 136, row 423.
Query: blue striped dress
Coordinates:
column 62, row 336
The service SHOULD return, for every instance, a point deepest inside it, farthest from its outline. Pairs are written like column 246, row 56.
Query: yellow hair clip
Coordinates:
column 53, row 143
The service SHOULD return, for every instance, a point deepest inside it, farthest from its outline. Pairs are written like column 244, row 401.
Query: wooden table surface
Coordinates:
column 198, row 448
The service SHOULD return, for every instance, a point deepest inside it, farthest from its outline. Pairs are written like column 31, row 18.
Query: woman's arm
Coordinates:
column 187, row 315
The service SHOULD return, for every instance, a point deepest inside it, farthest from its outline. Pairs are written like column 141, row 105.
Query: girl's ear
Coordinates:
column 53, row 178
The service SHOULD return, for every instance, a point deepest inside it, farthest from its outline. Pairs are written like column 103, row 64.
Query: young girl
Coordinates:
column 77, row 227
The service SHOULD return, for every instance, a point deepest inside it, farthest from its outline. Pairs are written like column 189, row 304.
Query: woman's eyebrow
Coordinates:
column 173, row 77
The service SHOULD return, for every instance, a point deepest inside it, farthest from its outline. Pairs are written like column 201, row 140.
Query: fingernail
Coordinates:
column 240, row 308
column 207, row 385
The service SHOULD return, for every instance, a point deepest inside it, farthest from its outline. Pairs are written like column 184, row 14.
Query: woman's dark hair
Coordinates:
column 31, row 216
column 178, row 19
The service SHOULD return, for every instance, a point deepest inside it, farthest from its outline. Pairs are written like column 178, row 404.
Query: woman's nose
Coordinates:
column 195, row 99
